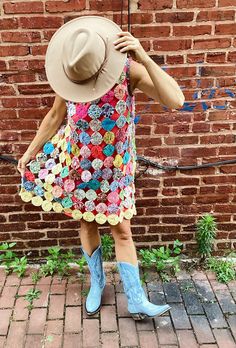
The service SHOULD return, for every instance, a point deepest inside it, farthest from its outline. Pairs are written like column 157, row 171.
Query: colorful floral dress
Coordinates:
column 86, row 170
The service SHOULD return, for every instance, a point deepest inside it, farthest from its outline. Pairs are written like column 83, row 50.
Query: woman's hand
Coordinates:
column 23, row 161
column 127, row 42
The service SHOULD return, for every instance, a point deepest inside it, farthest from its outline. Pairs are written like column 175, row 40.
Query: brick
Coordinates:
column 122, row 304
column 72, row 341
column 2, row 341
column 56, row 306
column 155, row 5
column 204, row 290
column 34, row 341
column 20, row 309
column 147, row 339
column 16, row 334
column 224, row 338
column 202, row 329
column 42, row 301
column 172, row 292
column 40, row 22
column 214, row 315
column 194, row 3
column 186, row 339
column 54, row 327
column 7, row 298
column 57, row 289
column 12, row 279
column 165, row 330
column 193, row 30
column 110, row 339
column 53, row 341
column 23, row 289
column 128, row 334
column 37, row 321
column 90, row 332
column 73, row 319
column 108, row 318
column 61, row 6
column 224, row 297
column 5, row 315
column 73, row 295
column 179, row 316
column 191, row 299
column 225, row 29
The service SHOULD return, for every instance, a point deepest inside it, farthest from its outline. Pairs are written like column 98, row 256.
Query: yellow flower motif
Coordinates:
column 64, row 145
column 50, row 178
column 68, row 210
column 57, row 207
column 113, row 219
column 48, row 186
column 75, row 149
column 109, row 137
column 76, row 214
column 46, row 205
column 57, row 168
column 48, row 196
column 37, row 201
column 128, row 214
column 68, row 160
column 118, row 161
column 26, row 196
column 88, row 216
column 55, row 139
column 62, row 157
column 100, row 218
column 67, row 130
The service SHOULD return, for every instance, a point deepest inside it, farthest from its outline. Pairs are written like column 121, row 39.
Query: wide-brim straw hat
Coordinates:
column 81, row 61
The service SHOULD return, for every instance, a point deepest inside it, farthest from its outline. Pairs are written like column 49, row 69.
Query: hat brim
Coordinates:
column 106, row 79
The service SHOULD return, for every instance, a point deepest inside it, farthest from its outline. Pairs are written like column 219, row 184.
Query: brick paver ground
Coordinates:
column 203, row 313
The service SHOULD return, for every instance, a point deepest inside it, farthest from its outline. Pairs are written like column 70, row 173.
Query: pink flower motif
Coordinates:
column 108, row 97
column 119, row 91
column 57, row 191
column 43, row 173
column 113, row 197
column 108, row 161
column 69, row 185
column 81, row 112
column 101, row 208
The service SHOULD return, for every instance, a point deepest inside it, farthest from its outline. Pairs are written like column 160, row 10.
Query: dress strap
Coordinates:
column 128, row 61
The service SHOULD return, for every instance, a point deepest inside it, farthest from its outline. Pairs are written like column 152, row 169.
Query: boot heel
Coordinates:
column 138, row 316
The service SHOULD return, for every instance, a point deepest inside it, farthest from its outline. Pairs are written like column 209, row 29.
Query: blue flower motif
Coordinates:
column 67, row 202
column 84, row 138
column 69, row 147
column 127, row 180
column 85, row 163
column 97, row 174
column 107, row 110
column 94, row 184
column 74, row 136
column 82, row 185
column 126, row 157
column 108, row 124
column 39, row 191
column 82, row 124
column 94, row 111
column 29, row 185
column 114, row 185
column 48, row 148
column 113, row 208
column 126, row 144
column 108, row 150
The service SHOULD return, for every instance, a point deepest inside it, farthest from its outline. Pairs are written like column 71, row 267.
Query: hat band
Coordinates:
column 97, row 72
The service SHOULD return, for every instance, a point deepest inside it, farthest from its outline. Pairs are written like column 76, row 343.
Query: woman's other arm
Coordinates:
column 148, row 76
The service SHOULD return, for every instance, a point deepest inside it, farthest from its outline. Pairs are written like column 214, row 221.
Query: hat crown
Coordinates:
column 83, row 54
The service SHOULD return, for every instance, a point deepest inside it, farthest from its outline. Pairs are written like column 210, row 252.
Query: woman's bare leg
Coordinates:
column 124, row 245
column 89, row 236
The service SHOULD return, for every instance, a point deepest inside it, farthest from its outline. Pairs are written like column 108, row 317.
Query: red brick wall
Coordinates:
column 191, row 39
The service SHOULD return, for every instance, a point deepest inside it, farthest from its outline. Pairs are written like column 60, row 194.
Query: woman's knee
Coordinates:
column 122, row 232
column 88, row 227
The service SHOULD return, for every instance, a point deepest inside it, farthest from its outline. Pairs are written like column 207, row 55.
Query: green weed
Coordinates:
column 107, row 247
column 206, row 233
column 32, row 295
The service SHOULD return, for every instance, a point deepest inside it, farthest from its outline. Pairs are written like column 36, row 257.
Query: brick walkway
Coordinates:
column 203, row 314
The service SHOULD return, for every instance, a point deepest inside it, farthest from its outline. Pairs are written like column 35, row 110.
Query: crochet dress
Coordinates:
column 86, row 170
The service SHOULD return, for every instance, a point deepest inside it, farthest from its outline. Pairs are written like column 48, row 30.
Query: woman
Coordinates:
column 101, row 126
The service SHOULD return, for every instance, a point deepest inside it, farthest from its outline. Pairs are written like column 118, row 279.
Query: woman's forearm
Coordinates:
column 47, row 129
column 167, row 88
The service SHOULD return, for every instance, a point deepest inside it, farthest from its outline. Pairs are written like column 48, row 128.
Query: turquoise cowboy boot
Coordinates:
column 97, row 280
column 138, row 304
